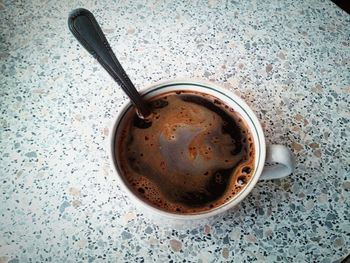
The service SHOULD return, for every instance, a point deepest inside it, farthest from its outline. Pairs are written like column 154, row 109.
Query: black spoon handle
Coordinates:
column 87, row 31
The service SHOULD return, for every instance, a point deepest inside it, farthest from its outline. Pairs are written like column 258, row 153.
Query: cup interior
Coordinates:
column 229, row 99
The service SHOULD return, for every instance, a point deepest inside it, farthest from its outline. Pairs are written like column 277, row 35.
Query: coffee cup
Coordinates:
column 269, row 162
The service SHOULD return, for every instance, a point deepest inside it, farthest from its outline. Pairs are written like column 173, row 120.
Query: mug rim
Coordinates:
column 216, row 89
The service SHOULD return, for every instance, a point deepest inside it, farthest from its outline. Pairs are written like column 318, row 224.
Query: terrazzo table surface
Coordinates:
column 60, row 201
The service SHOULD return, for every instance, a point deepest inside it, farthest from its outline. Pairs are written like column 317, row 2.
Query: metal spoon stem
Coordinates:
column 87, row 31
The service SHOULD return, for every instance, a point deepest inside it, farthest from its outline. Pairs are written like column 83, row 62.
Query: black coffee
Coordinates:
column 194, row 154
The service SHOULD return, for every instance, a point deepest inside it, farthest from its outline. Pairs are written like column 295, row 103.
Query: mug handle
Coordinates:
column 279, row 162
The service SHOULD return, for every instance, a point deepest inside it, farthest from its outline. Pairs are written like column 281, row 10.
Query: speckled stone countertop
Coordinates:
column 59, row 200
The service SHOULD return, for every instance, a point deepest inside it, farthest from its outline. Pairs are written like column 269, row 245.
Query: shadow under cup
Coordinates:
column 229, row 99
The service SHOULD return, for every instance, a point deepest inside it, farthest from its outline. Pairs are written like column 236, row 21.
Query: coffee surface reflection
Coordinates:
column 195, row 154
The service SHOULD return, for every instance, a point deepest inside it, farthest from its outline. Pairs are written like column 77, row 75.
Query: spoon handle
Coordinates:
column 87, row 31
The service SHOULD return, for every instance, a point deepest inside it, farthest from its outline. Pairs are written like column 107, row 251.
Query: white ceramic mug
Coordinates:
column 280, row 159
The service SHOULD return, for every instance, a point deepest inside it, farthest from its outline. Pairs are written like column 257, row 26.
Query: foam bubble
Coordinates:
column 246, row 169
column 241, row 180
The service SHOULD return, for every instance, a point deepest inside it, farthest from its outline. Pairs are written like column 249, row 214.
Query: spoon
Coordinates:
column 87, row 31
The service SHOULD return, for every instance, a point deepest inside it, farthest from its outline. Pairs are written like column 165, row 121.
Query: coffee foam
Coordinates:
column 185, row 160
